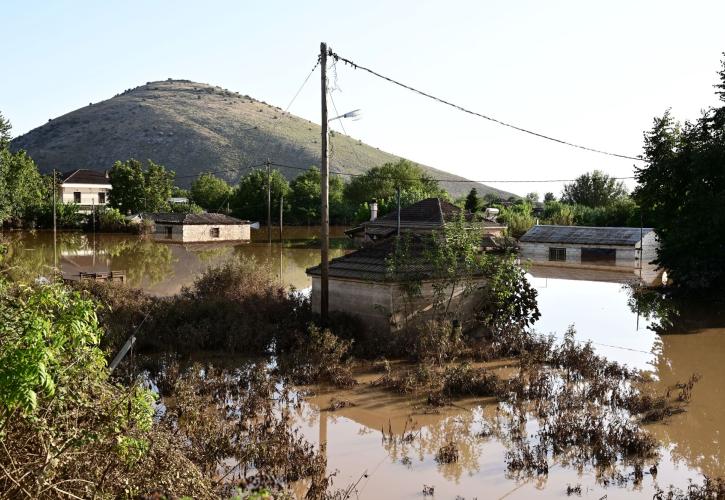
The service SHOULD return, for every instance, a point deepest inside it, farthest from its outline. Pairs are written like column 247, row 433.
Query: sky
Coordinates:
column 591, row 73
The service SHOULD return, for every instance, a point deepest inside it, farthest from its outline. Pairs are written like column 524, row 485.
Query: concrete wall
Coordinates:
column 650, row 272
column 89, row 194
column 196, row 233
column 539, row 253
column 384, row 306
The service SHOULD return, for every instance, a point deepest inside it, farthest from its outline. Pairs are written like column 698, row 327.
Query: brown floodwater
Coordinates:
column 359, row 446
column 164, row 268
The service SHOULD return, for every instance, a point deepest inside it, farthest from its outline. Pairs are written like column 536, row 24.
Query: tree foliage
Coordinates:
column 473, row 202
column 682, row 189
column 138, row 189
column 210, row 192
column 249, row 199
column 594, row 189
column 381, row 182
column 304, row 198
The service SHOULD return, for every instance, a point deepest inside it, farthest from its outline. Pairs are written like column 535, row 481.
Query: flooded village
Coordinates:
column 205, row 295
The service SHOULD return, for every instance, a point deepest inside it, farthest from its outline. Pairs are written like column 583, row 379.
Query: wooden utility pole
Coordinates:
column 397, row 192
column 55, row 252
column 324, row 190
column 269, row 202
column 281, row 207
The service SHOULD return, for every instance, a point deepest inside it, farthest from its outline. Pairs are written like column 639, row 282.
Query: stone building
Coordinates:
column 88, row 189
column 625, row 249
column 422, row 217
column 362, row 284
column 194, row 228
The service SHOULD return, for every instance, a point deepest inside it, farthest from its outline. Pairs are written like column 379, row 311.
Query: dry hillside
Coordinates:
column 193, row 127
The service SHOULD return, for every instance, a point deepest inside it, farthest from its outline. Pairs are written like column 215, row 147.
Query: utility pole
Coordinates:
column 269, row 202
column 55, row 253
column 397, row 192
column 281, row 207
column 324, row 190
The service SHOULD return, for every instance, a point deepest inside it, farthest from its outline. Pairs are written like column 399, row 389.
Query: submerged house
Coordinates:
column 88, row 189
column 422, row 217
column 194, row 228
column 626, row 249
column 362, row 284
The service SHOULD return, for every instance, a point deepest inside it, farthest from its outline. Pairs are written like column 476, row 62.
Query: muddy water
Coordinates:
column 359, row 438
column 360, row 449
column 163, row 268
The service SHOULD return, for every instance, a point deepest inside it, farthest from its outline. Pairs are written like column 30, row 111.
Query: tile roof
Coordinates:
column 194, row 219
column 431, row 210
column 371, row 263
column 617, row 236
column 85, row 176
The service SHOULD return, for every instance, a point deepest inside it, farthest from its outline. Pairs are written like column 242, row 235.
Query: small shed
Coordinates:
column 195, row 228
column 627, row 249
column 362, row 284
column 422, row 217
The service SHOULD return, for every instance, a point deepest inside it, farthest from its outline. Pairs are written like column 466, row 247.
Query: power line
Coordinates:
column 303, row 85
column 337, row 57
column 490, row 181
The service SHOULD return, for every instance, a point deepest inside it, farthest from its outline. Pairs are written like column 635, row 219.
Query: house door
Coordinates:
column 169, row 231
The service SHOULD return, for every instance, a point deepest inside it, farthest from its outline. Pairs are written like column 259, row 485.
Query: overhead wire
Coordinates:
column 337, row 57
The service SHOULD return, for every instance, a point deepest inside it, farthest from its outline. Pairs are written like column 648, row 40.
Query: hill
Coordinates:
column 193, row 127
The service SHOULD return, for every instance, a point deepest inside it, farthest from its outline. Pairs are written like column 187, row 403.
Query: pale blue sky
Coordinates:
column 594, row 73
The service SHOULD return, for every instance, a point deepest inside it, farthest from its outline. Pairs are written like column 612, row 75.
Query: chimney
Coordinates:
column 373, row 210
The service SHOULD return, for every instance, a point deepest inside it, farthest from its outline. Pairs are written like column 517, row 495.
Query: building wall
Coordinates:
column 195, row 233
column 539, row 253
column 384, row 306
column 650, row 272
column 89, row 193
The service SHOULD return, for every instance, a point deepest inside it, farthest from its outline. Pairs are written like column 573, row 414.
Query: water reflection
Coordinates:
column 163, row 268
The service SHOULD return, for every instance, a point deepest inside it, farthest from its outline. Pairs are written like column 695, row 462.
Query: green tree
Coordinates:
column 249, row 199
column 381, row 182
column 532, row 197
column 682, row 193
column 210, row 192
column 549, row 197
column 5, row 128
column 304, row 198
column 21, row 186
column 473, row 202
column 595, row 189
column 136, row 189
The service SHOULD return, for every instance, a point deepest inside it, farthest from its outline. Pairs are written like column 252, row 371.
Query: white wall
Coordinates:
column 89, row 193
column 539, row 253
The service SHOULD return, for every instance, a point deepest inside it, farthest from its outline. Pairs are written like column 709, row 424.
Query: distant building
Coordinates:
column 194, row 228
column 361, row 284
column 627, row 249
column 88, row 189
column 179, row 200
column 422, row 217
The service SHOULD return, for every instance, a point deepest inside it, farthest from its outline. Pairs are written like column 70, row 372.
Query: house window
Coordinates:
column 557, row 254
column 215, row 232
column 599, row 256
column 169, row 231
column 77, row 197
column 101, row 198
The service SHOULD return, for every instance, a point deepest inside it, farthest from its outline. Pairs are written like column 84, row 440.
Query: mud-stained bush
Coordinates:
column 438, row 341
column 318, row 356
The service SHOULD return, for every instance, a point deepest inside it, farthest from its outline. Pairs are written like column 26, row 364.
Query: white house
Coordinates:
column 627, row 249
column 87, row 188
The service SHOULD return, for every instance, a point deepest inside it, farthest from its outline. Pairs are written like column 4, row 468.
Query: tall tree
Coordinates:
column 682, row 194
column 595, row 189
column 473, row 202
column 5, row 128
column 304, row 197
column 532, row 197
column 549, row 197
column 381, row 182
column 210, row 192
column 249, row 199
column 136, row 189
